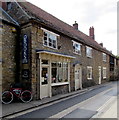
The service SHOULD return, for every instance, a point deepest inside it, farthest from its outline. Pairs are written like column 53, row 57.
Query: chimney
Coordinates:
column 91, row 32
column 101, row 44
column 75, row 25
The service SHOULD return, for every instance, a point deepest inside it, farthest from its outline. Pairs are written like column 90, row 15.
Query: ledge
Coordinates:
column 60, row 83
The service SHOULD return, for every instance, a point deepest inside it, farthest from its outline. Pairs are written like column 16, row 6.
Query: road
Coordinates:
column 85, row 105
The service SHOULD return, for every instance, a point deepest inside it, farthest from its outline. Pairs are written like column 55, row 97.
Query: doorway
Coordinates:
column 44, row 89
column 78, row 77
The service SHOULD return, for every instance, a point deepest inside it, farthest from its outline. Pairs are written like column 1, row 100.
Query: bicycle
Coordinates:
column 8, row 96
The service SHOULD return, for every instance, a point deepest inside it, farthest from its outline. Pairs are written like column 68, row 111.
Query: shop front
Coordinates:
column 54, row 73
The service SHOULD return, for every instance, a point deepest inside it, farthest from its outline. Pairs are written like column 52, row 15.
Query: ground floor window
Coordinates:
column 59, row 72
column 104, row 72
column 89, row 72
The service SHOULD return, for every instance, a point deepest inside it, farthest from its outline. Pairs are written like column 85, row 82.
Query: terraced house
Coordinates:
column 56, row 58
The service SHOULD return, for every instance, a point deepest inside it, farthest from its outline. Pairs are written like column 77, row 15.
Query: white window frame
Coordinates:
column 104, row 57
column 50, row 33
column 76, row 50
column 104, row 72
column 89, row 67
column 89, row 54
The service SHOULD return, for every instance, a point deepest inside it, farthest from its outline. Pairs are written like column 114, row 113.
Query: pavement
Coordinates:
column 17, row 107
column 108, row 110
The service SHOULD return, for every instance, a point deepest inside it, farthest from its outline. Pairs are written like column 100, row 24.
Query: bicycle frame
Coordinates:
column 16, row 91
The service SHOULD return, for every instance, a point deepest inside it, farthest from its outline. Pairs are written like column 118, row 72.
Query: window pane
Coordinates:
column 44, row 76
column 77, row 48
column 50, row 39
column 65, row 72
column 59, row 72
column 59, row 75
column 54, row 72
column 54, row 43
column 54, row 64
column 45, row 38
column 89, row 52
column 104, row 72
column 54, row 75
column 89, row 73
column 45, row 62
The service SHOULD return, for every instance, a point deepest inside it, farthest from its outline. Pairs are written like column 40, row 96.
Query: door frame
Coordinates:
column 80, row 76
column 49, row 80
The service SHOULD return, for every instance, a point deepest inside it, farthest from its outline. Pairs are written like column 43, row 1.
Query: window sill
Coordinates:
column 58, row 84
column 89, row 78
column 77, row 53
column 50, row 47
column 89, row 57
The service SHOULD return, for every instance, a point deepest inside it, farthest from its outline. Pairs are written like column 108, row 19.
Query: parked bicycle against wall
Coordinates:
column 17, row 92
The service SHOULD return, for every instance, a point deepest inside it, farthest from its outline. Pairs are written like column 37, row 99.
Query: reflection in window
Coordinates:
column 59, row 72
column 89, row 72
column 50, row 40
column 77, row 48
column 44, row 76
column 89, row 52
column 104, row 57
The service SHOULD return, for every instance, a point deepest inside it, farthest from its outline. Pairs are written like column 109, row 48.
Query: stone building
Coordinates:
column 8, row 50
column 56, row 58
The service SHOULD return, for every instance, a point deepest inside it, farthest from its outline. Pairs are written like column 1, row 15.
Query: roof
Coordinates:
column 6, row 17
column 58, row 25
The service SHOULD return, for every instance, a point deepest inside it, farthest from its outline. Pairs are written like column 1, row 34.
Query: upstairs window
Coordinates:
column 50, row 39
column 104, row 57
column 89, row 52
column 76, row 48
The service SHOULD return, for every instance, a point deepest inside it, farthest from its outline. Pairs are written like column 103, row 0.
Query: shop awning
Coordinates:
column 55, row 53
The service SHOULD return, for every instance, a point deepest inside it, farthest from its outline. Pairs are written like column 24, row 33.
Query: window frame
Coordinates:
column 104, row 57
column 59, row 70
column 91, row 68
column 48, row 37
column 75, row 51
column 104, row 73
column 87, row 54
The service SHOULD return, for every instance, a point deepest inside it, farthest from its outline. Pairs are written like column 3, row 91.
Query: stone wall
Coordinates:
column 8, row 56
column 67, row 48
column 60, row 90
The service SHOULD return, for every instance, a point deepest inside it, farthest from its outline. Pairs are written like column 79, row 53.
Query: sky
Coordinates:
column 101, row 14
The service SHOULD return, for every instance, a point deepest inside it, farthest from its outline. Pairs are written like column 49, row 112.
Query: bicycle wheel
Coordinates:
column 7, row 97
column 26, row 96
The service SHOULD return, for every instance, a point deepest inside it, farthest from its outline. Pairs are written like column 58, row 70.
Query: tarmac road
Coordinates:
column 85, row 105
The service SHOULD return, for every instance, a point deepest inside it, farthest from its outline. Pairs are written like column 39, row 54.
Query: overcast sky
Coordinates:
column 102, row 14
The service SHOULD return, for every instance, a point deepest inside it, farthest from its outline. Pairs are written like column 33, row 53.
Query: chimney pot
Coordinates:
column 101, row 44
column 75, row 25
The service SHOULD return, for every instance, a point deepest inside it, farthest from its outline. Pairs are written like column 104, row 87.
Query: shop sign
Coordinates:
column 25, row 50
